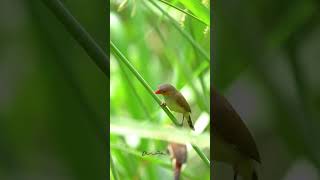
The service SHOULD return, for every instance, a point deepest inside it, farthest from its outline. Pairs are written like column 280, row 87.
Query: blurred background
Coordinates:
column 266, row 62
column 163, row 49
column 52, row 96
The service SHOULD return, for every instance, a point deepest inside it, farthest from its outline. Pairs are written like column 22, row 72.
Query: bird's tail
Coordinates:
column 254, row 175
column 177, row 171
column 190, row 122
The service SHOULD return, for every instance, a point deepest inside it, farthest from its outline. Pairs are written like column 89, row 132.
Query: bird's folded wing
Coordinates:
column 181, row 101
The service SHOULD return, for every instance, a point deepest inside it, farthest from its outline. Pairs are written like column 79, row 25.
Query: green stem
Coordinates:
column 116, row 52
column 201, row 69
column 185, row 12
column 120, row 56
column 185, row 34
column 79, row 34
column 201, row 154
column 113, row 169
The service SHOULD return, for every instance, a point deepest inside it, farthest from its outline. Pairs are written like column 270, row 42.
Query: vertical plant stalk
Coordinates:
column 113, row 169
column 79, row 34
column 121, row 57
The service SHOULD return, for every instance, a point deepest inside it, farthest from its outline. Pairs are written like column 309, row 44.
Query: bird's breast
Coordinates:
column 173, row 105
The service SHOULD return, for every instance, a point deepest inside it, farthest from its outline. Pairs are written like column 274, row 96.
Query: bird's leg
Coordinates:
column 235, row 173
column 182, row 120
column 163, row 104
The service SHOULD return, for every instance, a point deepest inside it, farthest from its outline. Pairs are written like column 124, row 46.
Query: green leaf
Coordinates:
column 185, row 12
column 183, row 33
column 198, row 9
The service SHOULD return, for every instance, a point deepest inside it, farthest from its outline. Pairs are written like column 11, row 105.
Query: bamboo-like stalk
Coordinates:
column 79, row 34
column 122, row 58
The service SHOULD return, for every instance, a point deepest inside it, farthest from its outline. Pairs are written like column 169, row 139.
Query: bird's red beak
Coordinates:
column 157, row 91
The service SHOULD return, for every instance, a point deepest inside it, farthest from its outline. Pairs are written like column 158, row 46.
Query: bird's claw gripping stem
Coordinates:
column 163, row 104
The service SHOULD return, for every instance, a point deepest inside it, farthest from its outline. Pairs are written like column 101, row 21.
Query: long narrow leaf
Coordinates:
column 197, row 8
column 185, row 12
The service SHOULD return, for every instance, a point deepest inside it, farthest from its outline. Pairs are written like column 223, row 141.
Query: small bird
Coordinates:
column 232, row 141
column 178, row 153
column 175, row 101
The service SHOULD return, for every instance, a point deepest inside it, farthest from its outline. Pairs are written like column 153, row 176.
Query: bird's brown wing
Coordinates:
column 228, row 125
column 181, row 101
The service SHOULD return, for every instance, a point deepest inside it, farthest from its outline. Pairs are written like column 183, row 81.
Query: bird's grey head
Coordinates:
column 166, row 89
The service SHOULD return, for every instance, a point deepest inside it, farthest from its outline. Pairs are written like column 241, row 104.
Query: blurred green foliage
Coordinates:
column 163, row 49
column 266, row 61
column 52, row 96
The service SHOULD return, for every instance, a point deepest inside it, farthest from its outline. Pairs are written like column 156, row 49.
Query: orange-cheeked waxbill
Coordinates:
column 175, row 101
